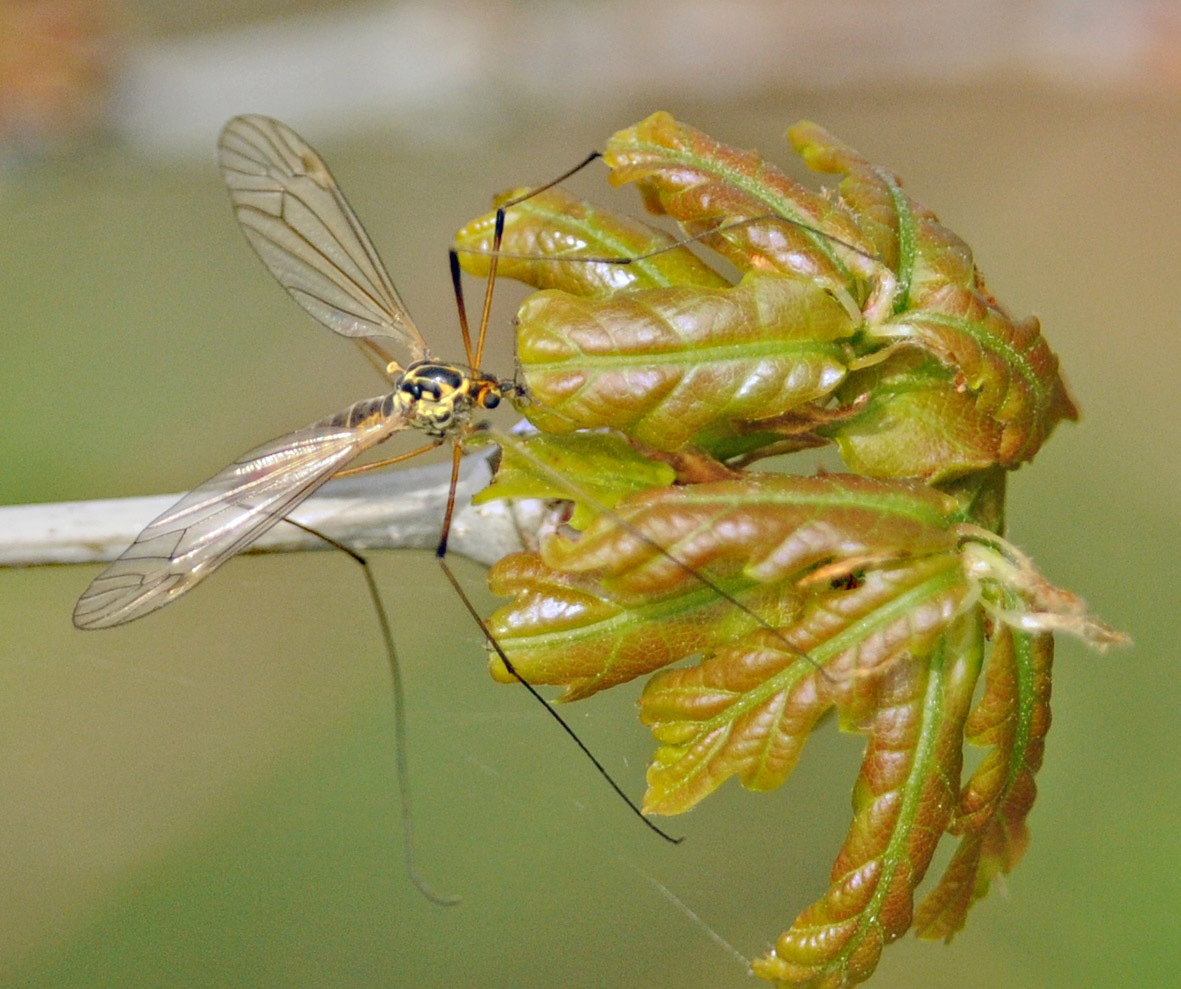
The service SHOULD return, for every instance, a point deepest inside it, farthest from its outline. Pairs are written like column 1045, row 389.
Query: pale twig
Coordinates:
column 398, row 509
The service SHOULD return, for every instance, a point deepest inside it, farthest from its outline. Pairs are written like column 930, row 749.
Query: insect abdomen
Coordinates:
column 364, row 411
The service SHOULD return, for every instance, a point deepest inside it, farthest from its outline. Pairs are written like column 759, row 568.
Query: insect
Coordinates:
column 299, row 223
column 308, row 236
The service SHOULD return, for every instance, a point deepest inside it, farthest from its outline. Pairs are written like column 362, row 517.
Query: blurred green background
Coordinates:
column 207, row 797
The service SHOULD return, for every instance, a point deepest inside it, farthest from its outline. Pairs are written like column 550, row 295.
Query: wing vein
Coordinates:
column 302, row 227
column 225, row 514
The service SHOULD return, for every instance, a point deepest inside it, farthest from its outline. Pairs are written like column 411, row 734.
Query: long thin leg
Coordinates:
column 440, row 555
column 378, row 356
column 498, row 236
column 362, row 468
column 441, row 549
column 494, row 252
column 549, row 707
column 517, row 200
column 400, row 743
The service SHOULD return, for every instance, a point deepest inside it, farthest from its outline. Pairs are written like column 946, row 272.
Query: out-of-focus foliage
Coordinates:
column 882, row 594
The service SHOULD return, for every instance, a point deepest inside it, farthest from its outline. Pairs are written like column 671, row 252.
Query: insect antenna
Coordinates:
column 494, row 256
column 441, row 550
column 493, row 253
column 399, row 697
column 882, row 294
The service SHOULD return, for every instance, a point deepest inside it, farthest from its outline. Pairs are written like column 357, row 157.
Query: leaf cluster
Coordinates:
column 884, row 594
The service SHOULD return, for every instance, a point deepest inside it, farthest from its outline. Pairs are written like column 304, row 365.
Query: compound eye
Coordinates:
column 490, row 400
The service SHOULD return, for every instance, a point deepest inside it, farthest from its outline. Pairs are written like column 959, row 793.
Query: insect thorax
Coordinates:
column 437, row 397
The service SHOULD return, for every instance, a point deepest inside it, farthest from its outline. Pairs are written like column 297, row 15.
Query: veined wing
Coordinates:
column 227, row 513
column 297, row 219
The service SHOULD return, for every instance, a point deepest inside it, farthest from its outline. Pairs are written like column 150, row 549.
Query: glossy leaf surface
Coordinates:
column 609, row 354
column 706, row 185
column 662, row 365
column 607, row 469
column 881, row 594
column 941, row 307
column 902, row 802
column 748, row 709
column 1011, row 719
column 869, row 597
column 627, row 596
column 549, row 237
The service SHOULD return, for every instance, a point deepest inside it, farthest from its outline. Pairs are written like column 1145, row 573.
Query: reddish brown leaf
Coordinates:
column 907, row 237
column 627, row 597
column 902, row 802
column 1005, row 365
column 1012, row 718
column 913, row 422
column 748, row 709
column 704, row 185
column 764, row 526
column 662, row 365
column 941, row 306
column 549, row 237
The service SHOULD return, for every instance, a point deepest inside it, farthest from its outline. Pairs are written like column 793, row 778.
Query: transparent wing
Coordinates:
column 225, row 515
column 296, row 218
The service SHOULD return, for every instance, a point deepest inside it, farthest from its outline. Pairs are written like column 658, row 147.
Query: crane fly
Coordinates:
column 308, row 236
column 301, row 226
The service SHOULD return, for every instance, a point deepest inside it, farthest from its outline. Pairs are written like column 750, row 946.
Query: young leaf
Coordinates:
column 942, row 308
column 705, row 185
column 911, row 421
column 620, row 357
column 869, row 589
column 626, row 597
column 565, row 629
column 1012, row 718
column 664, row 365
column 902, row 802
column 907, row 237
column 548, row 237
column 1004, row 366
column 607, row 467
column 748, row 709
